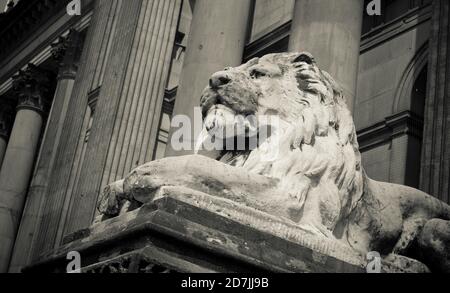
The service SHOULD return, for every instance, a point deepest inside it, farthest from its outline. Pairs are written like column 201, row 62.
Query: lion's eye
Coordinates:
column 256, row 73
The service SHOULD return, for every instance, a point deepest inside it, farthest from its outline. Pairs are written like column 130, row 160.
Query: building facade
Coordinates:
column 86, row 98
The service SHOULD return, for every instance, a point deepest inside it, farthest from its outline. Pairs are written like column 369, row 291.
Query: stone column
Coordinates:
column 6, row 118
column 32, row 87
column 217, row 39
column 436, row 144
column 331, row 31
column 66, row 53
column 99, row 39
column 127, row 115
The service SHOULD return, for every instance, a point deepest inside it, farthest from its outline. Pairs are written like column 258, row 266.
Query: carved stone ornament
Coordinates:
column 66, row 51
column 315, row 185
column 33, row 86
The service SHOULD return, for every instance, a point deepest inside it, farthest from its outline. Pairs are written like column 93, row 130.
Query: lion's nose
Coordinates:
column 219, row 79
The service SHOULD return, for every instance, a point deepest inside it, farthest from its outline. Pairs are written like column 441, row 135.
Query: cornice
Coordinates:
column 370, row 40
column 40, row 51
column 22, row 20
column 404, row 123
column 392, row 29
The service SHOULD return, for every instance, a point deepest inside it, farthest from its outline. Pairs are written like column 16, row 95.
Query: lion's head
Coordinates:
column 276, row 84
column 317, row 150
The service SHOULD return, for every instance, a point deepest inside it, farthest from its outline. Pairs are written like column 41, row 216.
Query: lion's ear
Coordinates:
column 305, row 57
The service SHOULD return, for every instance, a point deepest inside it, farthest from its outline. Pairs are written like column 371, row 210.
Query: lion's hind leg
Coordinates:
column 411, row 229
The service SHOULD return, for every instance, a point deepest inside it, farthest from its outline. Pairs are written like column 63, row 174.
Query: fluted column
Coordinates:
column 32, row 87
column 436, row 145
column 331, row 31
column 99, row 40
column 217, row 39
column 136, row 129
column 127, row 116
column 126, row 119
column 6, row 117
column 66, row 53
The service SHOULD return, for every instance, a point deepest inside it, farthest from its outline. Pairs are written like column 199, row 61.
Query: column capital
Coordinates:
column 66, row 52
column 6, row 119
column 32, row 86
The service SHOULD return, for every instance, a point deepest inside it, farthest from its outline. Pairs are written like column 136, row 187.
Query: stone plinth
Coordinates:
column 187, row 231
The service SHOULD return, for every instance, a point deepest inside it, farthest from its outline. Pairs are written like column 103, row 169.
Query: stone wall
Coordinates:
column 392, row 58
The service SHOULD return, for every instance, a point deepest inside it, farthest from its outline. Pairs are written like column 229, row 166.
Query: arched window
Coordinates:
column 414, row 149
column 419, row 93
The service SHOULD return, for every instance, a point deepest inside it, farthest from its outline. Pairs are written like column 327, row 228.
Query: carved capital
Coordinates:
column 66, row 51
column 6, row 120
column 33, row 86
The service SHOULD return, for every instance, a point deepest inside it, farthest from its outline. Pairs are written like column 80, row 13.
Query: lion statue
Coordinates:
column 316, row 179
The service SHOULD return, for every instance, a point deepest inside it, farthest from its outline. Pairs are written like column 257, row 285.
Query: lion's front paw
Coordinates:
column 114, row 201
column 143, row 183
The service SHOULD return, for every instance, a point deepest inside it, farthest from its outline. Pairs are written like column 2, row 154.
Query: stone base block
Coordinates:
column 191, row 232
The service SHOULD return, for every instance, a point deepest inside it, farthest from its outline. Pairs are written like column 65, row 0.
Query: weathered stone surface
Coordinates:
column 435, row 237
column 315, row 180
column 114, row 201
column 188, row 231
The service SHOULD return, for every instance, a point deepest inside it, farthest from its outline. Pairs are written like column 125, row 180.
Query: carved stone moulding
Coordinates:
column 190, row 232
column 33, row 88
column 66, row 52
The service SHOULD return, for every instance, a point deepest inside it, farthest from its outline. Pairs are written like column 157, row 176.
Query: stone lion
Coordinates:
column 316, row 179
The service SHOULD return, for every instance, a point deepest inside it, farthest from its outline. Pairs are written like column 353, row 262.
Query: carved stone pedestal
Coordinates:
column 187, row 231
